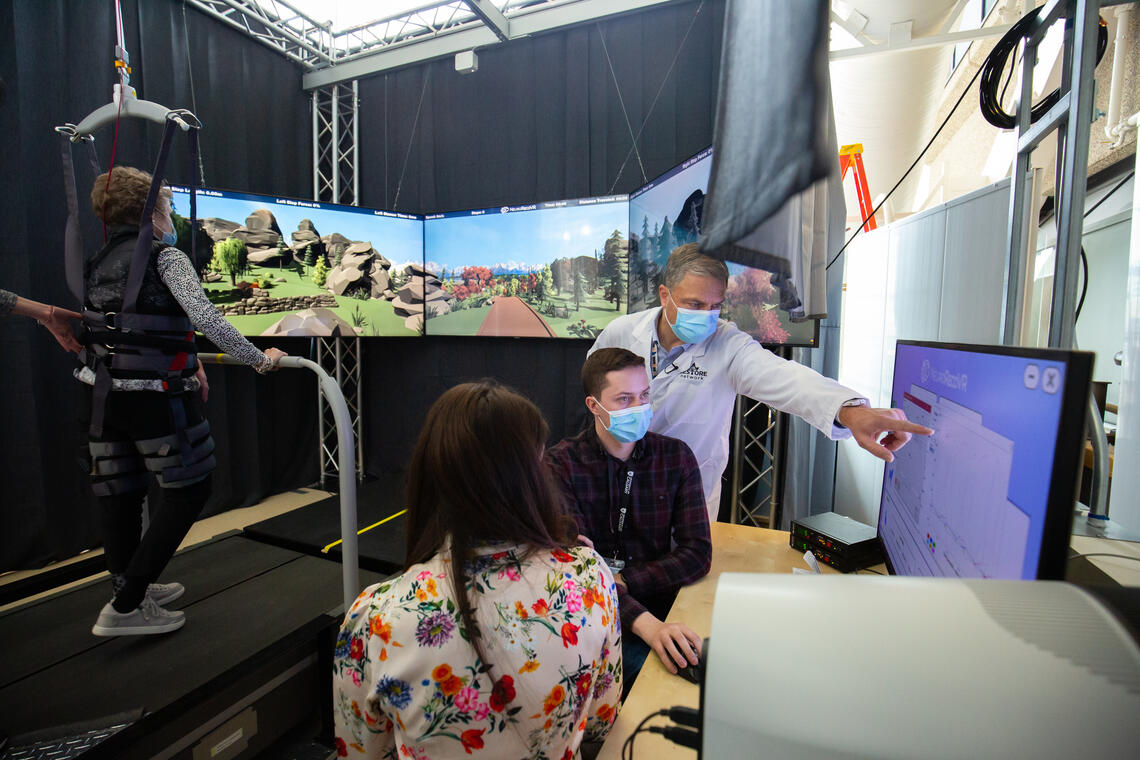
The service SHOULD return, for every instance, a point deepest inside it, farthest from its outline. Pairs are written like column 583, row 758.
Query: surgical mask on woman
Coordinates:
column 164, row 229
column 629, row 425
column 693, row 325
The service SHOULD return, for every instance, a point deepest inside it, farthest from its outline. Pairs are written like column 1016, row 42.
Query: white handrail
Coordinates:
column 346, row 446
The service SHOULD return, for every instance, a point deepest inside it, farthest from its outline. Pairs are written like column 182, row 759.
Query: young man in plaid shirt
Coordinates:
column 637, row 499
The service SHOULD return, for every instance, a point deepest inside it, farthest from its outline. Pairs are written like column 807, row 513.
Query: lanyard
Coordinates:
column 623, row 510
column 655, row 359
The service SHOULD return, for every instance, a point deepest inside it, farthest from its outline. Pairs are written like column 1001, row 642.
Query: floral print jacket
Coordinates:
column 408, row 684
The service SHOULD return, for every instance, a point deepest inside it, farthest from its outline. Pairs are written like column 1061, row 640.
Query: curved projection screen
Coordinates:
column 282, row 266
column 547, row 270
column 666, row 214
column 558, row 269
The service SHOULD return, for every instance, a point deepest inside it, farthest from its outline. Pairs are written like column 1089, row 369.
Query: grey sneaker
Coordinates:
column 148, row 618
column 165, row 593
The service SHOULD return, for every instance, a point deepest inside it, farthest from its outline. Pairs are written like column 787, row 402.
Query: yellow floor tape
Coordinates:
column 363, row 530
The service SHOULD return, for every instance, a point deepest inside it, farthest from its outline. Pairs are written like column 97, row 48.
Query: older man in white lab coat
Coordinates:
column 698, row 364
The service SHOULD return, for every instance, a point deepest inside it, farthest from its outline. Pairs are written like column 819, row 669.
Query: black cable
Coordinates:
column 1084, row 284
column 1108, row 195
column 629, row 739
column 869, row 570
column 990, row 102
column 908, row 171
column 1085, row 258
column 1008, row 79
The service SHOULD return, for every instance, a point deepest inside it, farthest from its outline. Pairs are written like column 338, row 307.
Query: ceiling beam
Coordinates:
column 918, row 43
column 448, row 43
column 492, row 17
column 854, row 25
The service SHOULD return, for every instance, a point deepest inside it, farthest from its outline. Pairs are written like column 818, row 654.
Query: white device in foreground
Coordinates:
column 893, row 667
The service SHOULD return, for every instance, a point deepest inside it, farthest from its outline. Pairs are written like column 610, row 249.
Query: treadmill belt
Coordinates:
column 314, row 528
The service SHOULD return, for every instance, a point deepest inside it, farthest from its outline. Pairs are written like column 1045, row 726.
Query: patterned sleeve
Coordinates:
column 608, row 668
column 361, row 727
column 7, row 302
column 179, row 276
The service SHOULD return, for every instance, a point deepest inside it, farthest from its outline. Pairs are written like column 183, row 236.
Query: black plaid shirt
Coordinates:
column 666, row 537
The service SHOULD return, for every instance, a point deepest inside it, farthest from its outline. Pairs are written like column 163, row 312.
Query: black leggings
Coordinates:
column 141, row 558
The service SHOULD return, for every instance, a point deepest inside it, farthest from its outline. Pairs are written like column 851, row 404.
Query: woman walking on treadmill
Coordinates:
column 146, row 398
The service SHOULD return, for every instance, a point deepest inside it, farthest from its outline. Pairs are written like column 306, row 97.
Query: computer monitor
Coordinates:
column 991, row 493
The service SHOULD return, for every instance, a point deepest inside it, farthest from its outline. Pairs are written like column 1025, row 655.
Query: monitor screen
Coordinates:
column 991, row 493
column 283, row 266
column 543, row 270
column 666, row 214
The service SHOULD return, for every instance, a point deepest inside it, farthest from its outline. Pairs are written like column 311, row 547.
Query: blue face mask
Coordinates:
column 693, row 325
column 169, row 238
column 629, row 425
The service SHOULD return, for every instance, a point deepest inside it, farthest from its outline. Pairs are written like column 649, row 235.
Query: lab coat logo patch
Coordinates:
column 694, row 374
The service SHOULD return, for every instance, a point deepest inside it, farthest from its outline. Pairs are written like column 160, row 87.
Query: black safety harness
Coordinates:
column 128, row 343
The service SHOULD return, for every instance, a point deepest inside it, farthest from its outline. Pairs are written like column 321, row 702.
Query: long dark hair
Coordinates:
column 477, row 476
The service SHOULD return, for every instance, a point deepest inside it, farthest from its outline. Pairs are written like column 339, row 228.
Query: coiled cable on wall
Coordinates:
column 990, row 101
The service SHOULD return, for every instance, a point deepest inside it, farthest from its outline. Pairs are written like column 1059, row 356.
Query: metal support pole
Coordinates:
column 737, row 459
column 355, row 143
column 334, row 94
column 322, row 432
column 316, row 147
column 778, row 449
column 1073, row 148
column 350, row 556
column 358, row 419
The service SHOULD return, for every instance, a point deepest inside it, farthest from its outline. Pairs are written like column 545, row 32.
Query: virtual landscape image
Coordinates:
column 544, row 270
column 280, row 266
column 666, row 214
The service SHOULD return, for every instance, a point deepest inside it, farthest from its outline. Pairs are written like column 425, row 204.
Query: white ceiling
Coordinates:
column 888, row 101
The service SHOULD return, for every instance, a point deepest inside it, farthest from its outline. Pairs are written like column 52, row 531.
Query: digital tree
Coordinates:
column 547, row 282
column 750, row 302
column 321, row 272
column 230, row 257
column 581, row 289
column 310, row 257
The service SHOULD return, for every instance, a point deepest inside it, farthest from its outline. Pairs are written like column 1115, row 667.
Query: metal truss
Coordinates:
column 340, row 357
column 313, row 44
column 277, row 25
column 336, row 140
column 756, row 463
column 431, row 30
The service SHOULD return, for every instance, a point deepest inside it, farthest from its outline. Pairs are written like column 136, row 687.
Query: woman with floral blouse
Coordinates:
column 501, row 639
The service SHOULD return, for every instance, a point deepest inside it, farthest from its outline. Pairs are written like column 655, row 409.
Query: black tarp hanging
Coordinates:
column 775, row 199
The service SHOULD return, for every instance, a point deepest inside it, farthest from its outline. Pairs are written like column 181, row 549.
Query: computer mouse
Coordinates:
column 691, row 673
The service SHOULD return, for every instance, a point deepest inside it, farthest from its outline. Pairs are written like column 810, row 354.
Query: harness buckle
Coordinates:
column 109, row 321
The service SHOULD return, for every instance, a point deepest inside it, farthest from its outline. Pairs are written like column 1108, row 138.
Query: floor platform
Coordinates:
column 251, row 662
column 312, row 528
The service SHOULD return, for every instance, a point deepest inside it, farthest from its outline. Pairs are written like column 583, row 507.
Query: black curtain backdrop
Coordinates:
column 56, row 59
column 541, row 119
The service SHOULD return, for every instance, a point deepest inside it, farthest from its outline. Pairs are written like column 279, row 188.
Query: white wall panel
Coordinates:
column 938, row 275
column 974, row 261
column 914, row 287
column 861, row 363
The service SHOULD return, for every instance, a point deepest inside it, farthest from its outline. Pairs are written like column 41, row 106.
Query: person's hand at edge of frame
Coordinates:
column 867, row 424
column 58, row 322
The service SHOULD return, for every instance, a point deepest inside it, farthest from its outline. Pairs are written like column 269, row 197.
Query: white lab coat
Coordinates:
column 693, row 398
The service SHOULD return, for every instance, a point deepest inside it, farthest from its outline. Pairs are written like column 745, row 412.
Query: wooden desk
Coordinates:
column 736, row 549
